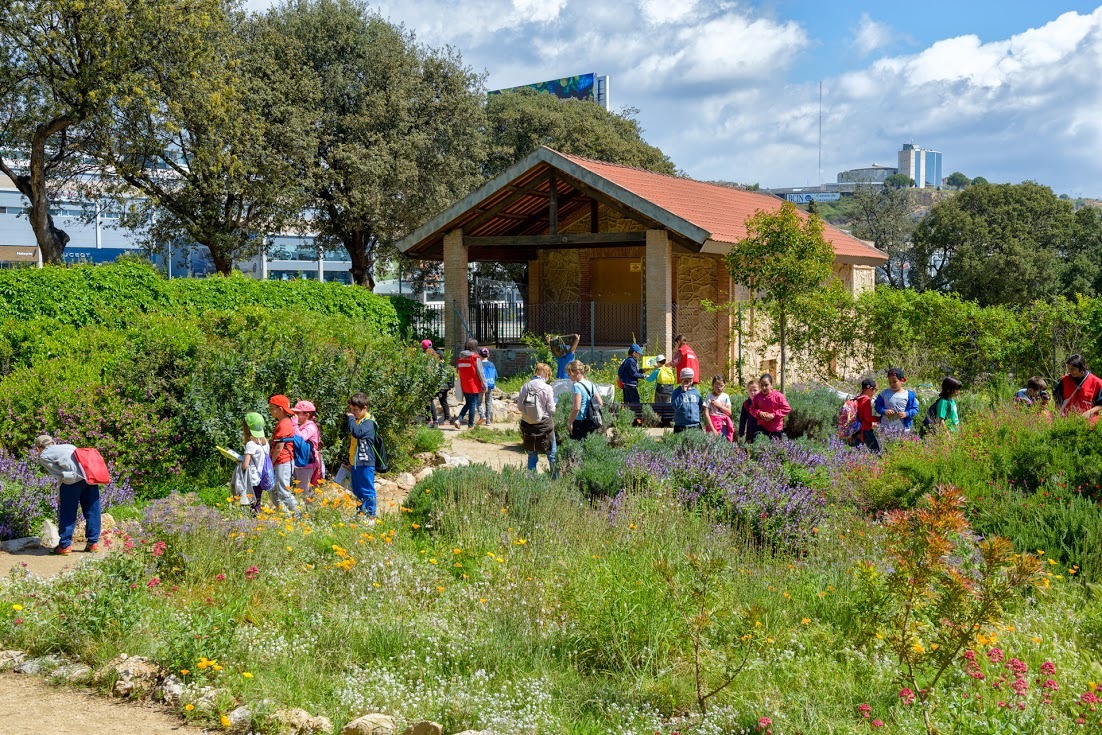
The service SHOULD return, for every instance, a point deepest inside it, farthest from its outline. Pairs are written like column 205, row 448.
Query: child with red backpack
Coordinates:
column 856, row 420
column 81, row 472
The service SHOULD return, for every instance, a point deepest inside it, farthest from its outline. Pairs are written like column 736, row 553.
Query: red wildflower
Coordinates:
column 877, row 723
column 995, row 655
column 153, row 582
column 1051, row 684
column 252, row 572
column 220, row 577
column 907, row 696
column 1048, row 668
column 1017, row 666
column 159, row 548
column 864, row 709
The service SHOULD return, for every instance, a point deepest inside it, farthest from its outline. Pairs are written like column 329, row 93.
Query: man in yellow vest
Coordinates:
column 664, row 379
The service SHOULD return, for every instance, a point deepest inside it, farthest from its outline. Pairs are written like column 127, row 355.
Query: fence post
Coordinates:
column 592, row 332
column 740, row 381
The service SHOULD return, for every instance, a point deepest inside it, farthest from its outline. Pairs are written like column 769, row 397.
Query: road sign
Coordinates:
column 814, row 196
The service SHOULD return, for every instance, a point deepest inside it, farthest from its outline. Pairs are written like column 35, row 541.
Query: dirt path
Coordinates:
column 40, row 561
column 495, row 455
column 30, row 706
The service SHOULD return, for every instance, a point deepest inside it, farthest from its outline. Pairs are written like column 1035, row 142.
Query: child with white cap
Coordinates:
column 686, row 402
column 664, row 379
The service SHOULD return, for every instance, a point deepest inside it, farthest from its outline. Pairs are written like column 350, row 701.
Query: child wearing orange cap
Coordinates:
column 282, row 452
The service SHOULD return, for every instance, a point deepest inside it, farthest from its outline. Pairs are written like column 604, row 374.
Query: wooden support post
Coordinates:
column 553, row 204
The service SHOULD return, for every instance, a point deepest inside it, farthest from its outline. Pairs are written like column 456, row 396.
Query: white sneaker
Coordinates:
column 371, row 522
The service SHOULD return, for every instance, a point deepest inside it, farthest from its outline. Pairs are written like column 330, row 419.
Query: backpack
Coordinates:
column 531, row 412
column 931, row 421
column 267, row 475
column 382, row 464
column 302, row 451
column 848, row 424
column 92, row 466
column 593, row 411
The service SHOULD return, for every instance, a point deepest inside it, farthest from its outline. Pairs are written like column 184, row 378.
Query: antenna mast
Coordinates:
column 820, row 133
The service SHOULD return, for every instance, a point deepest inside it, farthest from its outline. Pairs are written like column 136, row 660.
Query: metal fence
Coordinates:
column 504, row 325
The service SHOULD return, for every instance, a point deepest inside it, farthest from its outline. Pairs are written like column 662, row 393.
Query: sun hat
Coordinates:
column 426, row 344
column 660, row 358
column 635, row 348
column 304, row 407
column 42, row 441
column 255, row 422
column 687, row 373
column 897, row 372
column 280, row 400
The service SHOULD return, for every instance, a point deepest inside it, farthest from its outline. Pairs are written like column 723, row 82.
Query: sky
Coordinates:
column 1010, row 90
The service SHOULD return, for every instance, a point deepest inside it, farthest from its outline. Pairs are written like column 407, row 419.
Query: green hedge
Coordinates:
column 91, row 294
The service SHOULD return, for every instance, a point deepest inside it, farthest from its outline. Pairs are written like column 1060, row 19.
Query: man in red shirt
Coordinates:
column 283, row 452
column 865, row 435
column 684, row 357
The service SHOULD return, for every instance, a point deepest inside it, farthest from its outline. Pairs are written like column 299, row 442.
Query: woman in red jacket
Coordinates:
column 1079, row 389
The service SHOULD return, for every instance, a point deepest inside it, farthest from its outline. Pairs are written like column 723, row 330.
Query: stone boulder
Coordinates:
column 171, row 691
column 72, row 674
column 49, row 537
column 11, row 658
column 423, row 474
column 457, row 461
column 16, row 545
column 135, row 676
column 373, row 724
column 107, row 523
column 405, row 481
column 211, row 699
column 239, row 719
column 296, row 721
column 424, row 458
column 42, row 665
column 425, row 727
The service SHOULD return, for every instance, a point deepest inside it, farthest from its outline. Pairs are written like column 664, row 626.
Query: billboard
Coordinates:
column 804, row 198
column 588, row 87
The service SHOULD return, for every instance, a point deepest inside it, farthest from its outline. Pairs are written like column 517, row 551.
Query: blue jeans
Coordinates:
column 363, row 487
column 534, row 458
column 86, row 497
column 470, row 408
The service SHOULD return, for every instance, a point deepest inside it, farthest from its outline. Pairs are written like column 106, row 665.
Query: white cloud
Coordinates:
column 871, row 35
column 660, row 12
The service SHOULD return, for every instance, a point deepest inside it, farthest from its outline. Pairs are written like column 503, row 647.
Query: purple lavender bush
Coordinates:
column 28, row 496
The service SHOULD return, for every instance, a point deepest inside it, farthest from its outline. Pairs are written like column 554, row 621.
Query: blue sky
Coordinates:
column 729, row 89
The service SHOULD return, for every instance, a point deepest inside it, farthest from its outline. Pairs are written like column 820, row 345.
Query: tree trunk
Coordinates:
column 361, row 251
column 50, row 239
column 783, row 347
column 223, row 260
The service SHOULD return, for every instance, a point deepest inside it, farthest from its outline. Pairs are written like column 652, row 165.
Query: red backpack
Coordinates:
column 92, row 465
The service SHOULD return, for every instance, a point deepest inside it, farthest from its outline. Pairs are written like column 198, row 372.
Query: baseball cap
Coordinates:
column 426, row 344
column 868, row 383
column 635, row 348
column 280, row 400
column 897, row 372
column 255, row 422
column 660, row 358
column 484, row 352
column 42, row 441
column 687, row 373
column 304, row 407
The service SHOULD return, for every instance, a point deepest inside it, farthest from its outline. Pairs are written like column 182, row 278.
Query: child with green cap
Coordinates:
column 253, row 460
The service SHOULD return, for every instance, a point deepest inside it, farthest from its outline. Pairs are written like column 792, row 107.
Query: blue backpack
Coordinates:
column 267, row 476
column 303, row 451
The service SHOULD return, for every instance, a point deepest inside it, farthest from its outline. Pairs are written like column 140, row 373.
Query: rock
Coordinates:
column 425, row 727
column 18, row 544
column 171, row 691
column 11, row 658
column 514, row 397
column 425, row 458
column 373, row 724
column 41, row 665
column 423, row 474
column 383, row 485
column 296, row 721
column 72, row 673
column 107, row 522
column 136, row 676
column 440, row 458
column 405, row 481
column 48, row 537
column 457, row 462
column 210, row 698
column 240, row 719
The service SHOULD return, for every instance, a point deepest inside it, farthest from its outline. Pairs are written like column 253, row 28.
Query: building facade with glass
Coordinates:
column 922, row 165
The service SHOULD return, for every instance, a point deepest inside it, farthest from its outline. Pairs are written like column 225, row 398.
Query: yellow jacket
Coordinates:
column 663, row 376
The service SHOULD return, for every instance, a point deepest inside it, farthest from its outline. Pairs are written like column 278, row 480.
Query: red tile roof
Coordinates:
column 720, row 210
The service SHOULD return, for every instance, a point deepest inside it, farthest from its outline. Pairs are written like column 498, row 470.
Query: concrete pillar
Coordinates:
column 456, row 282
column 659, row 291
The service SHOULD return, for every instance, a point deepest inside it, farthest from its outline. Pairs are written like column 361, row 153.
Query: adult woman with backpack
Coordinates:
column 585, row 414
column 537, row 418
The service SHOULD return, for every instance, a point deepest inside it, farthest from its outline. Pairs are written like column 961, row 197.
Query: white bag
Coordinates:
column 48, row 537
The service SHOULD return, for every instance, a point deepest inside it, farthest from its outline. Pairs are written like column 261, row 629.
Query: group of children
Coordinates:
column 293, row 455
column 477, row 380
column 762, row 412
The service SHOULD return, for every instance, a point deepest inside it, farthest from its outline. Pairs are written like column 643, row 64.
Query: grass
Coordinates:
column 506, row 435
column 510, row 602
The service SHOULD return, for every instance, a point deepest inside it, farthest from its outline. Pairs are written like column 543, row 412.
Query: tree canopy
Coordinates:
column 958, row 180
column 998, row 244
column 884, row 217
column 898, row 181
column 519, row 122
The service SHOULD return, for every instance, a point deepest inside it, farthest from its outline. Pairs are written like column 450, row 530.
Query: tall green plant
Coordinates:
column 783, row 257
